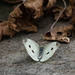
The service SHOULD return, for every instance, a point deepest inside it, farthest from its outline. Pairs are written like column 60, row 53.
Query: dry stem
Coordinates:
column 58, row 16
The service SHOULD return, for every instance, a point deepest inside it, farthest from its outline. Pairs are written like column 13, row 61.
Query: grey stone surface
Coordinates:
column 15, row 61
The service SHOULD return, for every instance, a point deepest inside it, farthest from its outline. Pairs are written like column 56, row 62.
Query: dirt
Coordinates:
column 14, row 59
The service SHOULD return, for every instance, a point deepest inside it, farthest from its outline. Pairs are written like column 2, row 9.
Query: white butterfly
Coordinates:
column 39, row 53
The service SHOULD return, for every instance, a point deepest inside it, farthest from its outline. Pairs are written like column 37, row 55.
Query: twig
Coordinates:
column 58, row 16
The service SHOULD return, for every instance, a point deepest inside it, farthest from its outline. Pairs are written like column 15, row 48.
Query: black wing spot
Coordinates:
column 33, row 51
column 29, row 46
column 51, row 48
column 47, row 52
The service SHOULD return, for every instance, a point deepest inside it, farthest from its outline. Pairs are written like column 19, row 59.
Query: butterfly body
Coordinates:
column 38, row 53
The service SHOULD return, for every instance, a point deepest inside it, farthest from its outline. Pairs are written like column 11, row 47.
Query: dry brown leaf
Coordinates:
column 73, row 14
column 60, row 33
column 48, row 4
column 6, row 30
column 23, row 20
column 68, row 12
column 35, row 7
column 38, row 6
column 24, row 14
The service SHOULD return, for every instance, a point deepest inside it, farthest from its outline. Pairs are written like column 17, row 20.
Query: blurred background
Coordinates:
column 6, row 7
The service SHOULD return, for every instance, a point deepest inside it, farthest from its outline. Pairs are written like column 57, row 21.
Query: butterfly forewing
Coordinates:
column 49, row 50
column 32, row 49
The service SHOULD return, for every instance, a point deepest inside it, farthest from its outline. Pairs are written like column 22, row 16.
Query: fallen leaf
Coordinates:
column 59, row 33
column 6, row 30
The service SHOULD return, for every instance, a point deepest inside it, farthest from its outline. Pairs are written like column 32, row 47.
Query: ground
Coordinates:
column 14, row 59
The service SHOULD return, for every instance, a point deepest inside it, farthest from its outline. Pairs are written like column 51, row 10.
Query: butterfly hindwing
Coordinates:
column 49, row 51
column 32, row 49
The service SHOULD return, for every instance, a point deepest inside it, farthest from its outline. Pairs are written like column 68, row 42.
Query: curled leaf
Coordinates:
column 6, row 30
column 22, row 19
column 60, row 33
